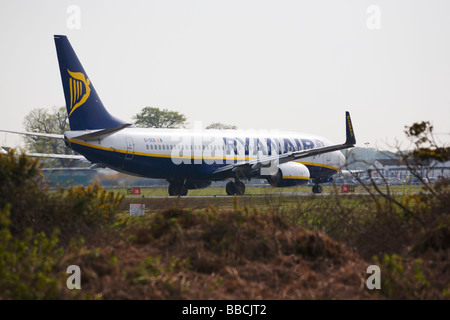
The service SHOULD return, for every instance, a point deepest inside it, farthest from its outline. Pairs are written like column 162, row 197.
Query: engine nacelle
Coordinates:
column 289, row 174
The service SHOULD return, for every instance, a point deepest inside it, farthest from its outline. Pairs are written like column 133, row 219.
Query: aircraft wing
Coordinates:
column 47, row 135
column 46, row 155
column 254, row 164
column 57, row 156
column 88, row 136
column 51, row 155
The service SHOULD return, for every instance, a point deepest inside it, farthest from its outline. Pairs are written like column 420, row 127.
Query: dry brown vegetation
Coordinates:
column 241, row 254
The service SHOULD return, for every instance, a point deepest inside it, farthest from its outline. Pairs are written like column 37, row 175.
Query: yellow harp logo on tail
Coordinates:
column 79, row 89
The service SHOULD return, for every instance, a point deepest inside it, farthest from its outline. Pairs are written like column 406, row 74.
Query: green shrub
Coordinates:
column 28, row 265
column 41, row 231
column 76, row 211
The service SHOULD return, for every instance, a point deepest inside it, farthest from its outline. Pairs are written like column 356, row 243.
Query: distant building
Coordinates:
column 67, row 177
column 396, row 168
column 107, row 178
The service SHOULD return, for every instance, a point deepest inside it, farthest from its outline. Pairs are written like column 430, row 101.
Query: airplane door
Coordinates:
column 130, row 148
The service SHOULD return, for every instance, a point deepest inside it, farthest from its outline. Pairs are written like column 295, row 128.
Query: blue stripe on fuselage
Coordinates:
column 163, row 167
column 157, row 167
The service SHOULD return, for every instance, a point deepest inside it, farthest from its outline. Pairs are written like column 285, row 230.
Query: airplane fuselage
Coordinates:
column 197, row 155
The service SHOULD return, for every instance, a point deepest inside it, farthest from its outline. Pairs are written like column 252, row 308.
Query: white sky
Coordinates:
column 283, row 65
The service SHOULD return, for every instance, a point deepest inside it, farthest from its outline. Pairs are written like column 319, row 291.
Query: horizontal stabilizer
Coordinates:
column 50, row 155
column 38, row 134
column 96, row 135
column 57, row 156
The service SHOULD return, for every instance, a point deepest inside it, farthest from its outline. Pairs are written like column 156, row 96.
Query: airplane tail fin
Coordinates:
column 84, row 107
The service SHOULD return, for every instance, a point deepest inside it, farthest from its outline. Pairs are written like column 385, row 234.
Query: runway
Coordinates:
column 264, row 195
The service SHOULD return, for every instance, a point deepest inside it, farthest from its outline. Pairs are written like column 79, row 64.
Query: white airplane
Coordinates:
column 188, row 159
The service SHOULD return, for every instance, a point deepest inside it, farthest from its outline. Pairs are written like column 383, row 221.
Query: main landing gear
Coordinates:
column 177, row 188
column 235, row 188
column 317, row 188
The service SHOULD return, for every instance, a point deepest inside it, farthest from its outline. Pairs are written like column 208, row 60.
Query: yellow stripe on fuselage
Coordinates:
column 296, row 178
column 315, row 164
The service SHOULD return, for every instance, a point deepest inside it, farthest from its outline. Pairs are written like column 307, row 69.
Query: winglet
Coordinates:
column 350, row 140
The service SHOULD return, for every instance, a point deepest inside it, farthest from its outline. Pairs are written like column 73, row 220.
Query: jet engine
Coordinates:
column 289, row 174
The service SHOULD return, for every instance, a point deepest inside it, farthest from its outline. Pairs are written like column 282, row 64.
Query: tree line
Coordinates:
column 55, row 121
